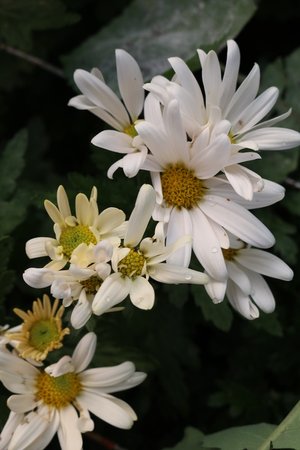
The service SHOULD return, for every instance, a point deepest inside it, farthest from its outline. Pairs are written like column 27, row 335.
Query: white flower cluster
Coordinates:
column 193, row 141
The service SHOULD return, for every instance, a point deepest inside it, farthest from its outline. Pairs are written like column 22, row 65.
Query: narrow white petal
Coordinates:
column 130, row 81
column 108, row 376
column 241, row 302
column 118, row 414
column 82, row 209
column 115, row 141
column 68, row 433
column 273, row 121
column 239, row 277
column 9, row 428
column 230, row 74
column 175, row 131
column 211, row 76
column 21, row 403
column 54, row 212
column 38, row 278
column 216, row 290
column 210, row 160
column 238, row 221
column 179, row 225
column 265, row 263
column 140, row 215
column 134, row 380
column 113, row 290
column 63, row 202
column 274, row 138
column 243, row 157
column 142, row 293
column 36, row 247
column 84, row 352
column 152, row 110
column 261, row 293
column 173, row 274
column 207, row 247
column 81, row 312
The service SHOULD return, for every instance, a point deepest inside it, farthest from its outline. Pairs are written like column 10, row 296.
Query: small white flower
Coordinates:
column 88, row 227
column 137, row 260
column 245, row 287
column 48, row 401
column 191, row 200
column 99, row 99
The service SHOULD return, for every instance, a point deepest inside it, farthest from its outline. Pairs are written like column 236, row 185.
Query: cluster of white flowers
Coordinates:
column 193, row 140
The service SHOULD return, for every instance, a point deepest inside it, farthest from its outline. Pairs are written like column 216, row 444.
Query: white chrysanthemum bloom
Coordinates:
column 189, row 196
column 240, row 107
column 138, row 259
column 245, row 287
column 88, row 227
column 99, row 99
column 48, row 401
column 88, row 269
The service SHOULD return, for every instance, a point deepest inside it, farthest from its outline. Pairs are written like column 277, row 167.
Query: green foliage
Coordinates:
column 153, row 31
column 192, row 440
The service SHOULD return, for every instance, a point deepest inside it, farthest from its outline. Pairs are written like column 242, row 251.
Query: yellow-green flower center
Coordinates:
column 71, row 237
column 180, row 187
column 91, row 285
column 131, row 131
column 132, row 265
column 231, row 137
column 229, row 253
column 57, row 391
column 43, row 333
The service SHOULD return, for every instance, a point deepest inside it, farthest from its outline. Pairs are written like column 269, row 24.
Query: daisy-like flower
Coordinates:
column 245, row 287
column 137, row 260
column 222, row 103
column 47, row 401
column 99, row 99
column 189, row 196
column 79, row 283
column 41, row 331
column 88, row 227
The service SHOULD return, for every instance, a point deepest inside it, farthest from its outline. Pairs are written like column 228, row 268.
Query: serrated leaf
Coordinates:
column 219, row 314
column 18, row 18
column 12, row 163
column 154, row 31
column 248, row 437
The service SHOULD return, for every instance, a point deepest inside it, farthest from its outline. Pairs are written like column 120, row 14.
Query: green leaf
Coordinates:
column 18, row 18
column 219, row 314
column 248, row 437
column 192, row 440
column 6, row 276
column 154, row 31
column 12, row 163
column 268, row 323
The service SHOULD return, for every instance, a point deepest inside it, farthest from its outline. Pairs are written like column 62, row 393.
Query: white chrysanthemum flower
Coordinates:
column 245, row 287
column 48, row 401
column 138, row 259
column 190, row 198
column 88, row 227
column 99, row 99
column 79, row 283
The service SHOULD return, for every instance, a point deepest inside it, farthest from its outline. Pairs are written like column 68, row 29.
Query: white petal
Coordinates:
column 115, row 141
column 109, row 219
column 38, row 278
column 113, row 290
column 108, row 376
column 265, row 263
column 140, row 215
column 274, row 138
column 130, row 81
column 152, row 110
column 21, row 403
column 211, row 76
column 210, row 160
column 173, row 274
column 63, row 202
column 216, row 290
column 36, row 247
column 230, row 74
column 142, row 293
column 84, row 352
column 238, row 221
column 81, row 312
column 68, row 433
column 179, row 225
column 239, row 277
column 109, row 409
column 242, row 180
column 132, row 163
column 261, row 293
column 9, row 428
column 207, row 247
column 54, row 212
column 175, row 131
column 241, row 302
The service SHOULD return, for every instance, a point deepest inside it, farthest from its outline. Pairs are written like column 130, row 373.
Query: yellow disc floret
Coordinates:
column 229, row 253
column 43, row 333
column 132, row 265
column 180, row 187
column 91, row 285
column 130, row 130
column 71, row 237
column 57, row 392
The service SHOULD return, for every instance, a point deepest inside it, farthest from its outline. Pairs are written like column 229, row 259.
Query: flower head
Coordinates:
column 41, row 330
column 47, row 401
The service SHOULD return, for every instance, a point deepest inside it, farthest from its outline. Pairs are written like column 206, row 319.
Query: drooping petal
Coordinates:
column 84, row 352
column 21, row 403
column 216, row 290
column 68, row 433
column 265, row 263
column 36, row 247
column 130, row 81
column 9, row 428
column 142, row 293
column 115, row 141
column 173, row 274
column 179, row 225
column 239, row 277
column 81, row 312
column 261, row 293
column 108, row 376
column 241, row 302
column 244, row 181
column 113, row 290
column 38, row 277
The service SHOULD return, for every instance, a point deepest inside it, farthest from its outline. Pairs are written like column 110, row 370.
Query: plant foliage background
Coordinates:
column 209, row 369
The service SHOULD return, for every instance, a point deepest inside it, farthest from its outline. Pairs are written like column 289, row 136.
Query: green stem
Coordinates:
column 281, row 427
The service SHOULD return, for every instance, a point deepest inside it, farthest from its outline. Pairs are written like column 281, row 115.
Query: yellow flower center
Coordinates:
column 180, row 187
column 57, row 391
column 231, row 137
column 43, row 333
column 130, row 130
column 91, row 285
column 132, row 265
column 71, row 237
column 229, row 253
